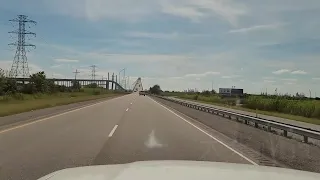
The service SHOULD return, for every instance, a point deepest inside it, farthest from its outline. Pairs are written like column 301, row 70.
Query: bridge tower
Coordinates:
column 137, row 85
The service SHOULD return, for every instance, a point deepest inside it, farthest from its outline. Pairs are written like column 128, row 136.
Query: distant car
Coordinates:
column 142, row 93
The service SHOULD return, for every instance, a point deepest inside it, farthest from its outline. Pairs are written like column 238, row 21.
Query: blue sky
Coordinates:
column 179, row 44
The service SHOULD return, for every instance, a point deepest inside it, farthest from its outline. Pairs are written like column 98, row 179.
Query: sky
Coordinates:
column 256, row 45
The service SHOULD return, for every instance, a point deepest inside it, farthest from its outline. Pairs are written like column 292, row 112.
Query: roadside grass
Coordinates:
column 19, row 103
column 268, row 113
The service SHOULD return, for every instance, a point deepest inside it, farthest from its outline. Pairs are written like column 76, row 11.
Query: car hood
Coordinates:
column 179, row 170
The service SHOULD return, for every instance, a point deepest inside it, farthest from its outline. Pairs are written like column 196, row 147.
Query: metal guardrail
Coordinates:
column 304, row 132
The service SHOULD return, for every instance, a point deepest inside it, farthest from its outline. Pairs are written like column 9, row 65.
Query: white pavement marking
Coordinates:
column 131, row 103
column 113, row 130
column 47, row 118
column 127, row 109
column 152, row 141
column 225, row 145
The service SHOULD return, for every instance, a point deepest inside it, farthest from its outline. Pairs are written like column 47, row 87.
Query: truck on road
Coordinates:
column 142, row 93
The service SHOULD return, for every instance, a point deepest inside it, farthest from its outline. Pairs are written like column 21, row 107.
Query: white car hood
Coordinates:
column 180, row 170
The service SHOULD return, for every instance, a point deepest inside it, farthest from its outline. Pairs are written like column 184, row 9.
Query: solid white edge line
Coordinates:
column 233, row 150
column 113, row 130
column 47, row 118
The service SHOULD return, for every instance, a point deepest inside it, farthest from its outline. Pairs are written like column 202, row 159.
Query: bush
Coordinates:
column 96, row 93
column 28, row 89
column 155, row 90
column 92, row 85
column 37, row 96
column 10, row 86
column 39, row 83
column 6, row 98
column 196, row 97
column 286, row 105
column 18, row 96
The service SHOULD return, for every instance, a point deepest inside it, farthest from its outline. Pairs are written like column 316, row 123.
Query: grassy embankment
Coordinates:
column 17, row 103
column 304, row 110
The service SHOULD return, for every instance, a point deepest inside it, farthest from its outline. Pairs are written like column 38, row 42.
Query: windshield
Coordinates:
column 101, row 82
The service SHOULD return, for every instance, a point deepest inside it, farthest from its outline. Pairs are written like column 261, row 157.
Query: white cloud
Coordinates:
column 298, row 72
column 137, row 10
column 269, row 81
column 289, row 79
column 56, row 66
column 33, row 68
column 229, row 10
column 257, row 28
column 230, row 77
column 281, row 71
column 95, row 10
column 141, row 58
column 57, row 75
column 183, row 11
column 202, row 74
column 290, row 83
column 316, row 78
column 66, row 60
column 268, row 78
column 5, row 64
column 152, row 35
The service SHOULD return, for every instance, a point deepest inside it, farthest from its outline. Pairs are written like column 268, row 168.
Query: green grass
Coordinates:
column 22, row 103
column 269, row 113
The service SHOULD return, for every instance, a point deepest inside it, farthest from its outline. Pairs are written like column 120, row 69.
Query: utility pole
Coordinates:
column 19, row 66
column 211, row 86
column 310, row 93
column 75, row 74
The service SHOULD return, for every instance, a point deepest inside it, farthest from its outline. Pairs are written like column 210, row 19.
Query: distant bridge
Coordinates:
column 108, row 84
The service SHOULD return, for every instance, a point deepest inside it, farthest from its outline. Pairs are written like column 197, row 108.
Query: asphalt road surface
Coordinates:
column 121, row 130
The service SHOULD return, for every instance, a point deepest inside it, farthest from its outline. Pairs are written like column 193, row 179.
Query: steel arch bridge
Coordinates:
column 137, row 85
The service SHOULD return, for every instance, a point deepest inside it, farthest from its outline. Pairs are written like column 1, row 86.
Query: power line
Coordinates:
column 19, row 66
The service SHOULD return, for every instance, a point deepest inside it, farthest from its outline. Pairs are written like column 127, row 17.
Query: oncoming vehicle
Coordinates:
column 142, row 93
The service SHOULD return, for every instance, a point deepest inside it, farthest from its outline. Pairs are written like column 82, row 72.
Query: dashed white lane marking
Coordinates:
column 225, row 145
column 113, row 130
column 48, row 118
column 127, row 109
column 131, row 103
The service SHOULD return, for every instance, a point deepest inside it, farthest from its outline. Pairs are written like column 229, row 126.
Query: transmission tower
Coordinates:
column 93, row 72
column 19, row 66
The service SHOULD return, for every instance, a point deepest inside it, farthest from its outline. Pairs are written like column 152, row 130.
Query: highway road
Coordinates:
column 125, row 129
